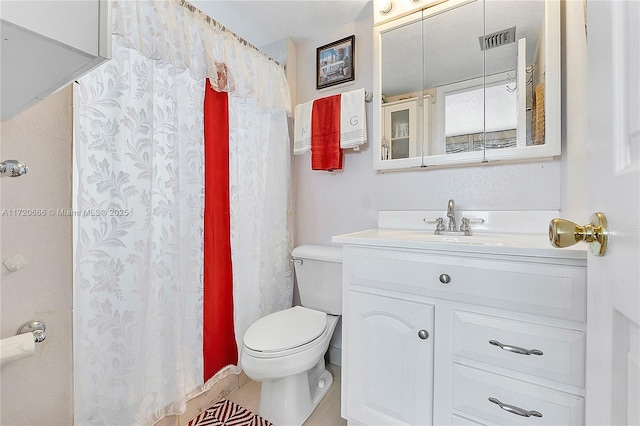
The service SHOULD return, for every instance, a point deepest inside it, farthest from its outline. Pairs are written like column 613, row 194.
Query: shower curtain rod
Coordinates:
column 212, row 21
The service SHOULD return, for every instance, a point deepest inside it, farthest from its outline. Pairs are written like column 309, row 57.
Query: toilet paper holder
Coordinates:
column 36, row 327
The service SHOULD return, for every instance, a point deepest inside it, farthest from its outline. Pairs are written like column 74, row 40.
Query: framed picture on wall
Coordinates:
column 334, row 63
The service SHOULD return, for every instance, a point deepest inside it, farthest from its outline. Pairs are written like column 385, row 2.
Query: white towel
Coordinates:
column 302, row 128
column 353, row 120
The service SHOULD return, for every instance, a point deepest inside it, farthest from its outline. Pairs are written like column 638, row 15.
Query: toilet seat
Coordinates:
column 285, row 332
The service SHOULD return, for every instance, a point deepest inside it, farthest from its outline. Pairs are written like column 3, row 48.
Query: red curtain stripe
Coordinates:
column 219, row 343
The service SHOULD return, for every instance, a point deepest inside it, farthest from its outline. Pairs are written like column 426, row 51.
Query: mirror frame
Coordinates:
column 552, row 96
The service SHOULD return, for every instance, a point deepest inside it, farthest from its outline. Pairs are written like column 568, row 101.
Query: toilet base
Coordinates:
column 291, row 400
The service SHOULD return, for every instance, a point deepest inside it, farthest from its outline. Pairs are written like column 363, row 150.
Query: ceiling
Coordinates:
column 262, row 22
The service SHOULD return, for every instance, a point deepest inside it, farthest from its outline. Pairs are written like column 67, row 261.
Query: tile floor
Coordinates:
column 327, row 413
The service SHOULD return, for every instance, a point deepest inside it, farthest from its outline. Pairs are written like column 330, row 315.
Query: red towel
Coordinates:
column 325, row 134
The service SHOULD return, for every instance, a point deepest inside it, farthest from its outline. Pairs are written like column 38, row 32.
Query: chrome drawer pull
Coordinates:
column 516, row 349
column 515, row 410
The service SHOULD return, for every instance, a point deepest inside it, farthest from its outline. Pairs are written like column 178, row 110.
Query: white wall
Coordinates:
column 38, row 390
column 574, row 114
column 329, row 204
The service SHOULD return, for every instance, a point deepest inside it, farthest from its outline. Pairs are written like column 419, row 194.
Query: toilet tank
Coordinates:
column 319, row 276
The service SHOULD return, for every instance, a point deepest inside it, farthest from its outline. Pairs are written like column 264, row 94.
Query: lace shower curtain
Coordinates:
column 261, row 240
column 138, row 189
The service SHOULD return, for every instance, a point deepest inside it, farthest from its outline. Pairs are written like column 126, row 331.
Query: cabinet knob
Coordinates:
column 445, row 279
column 423, row 334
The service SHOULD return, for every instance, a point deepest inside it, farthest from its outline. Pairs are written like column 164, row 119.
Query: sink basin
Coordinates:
column 482, row 239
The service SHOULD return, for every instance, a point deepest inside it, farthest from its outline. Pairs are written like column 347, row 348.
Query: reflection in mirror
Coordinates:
column 465, row 80
column 401, row 137
column 487, row 100
column 466, row 128
column 515, row 50
column 453, row 78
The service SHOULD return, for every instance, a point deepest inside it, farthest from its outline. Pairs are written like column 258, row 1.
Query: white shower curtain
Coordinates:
column 261, row 240
column 137, row 285
column 138, row 194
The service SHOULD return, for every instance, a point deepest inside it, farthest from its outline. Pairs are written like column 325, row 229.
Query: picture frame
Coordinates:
column 335, row 62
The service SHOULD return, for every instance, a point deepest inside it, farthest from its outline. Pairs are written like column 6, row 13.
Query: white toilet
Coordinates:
column 285, row 350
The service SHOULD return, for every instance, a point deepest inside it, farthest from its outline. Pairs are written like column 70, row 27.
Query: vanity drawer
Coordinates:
column 461, row 421
column 543, row 289
column 559, row 353
column 472, row 389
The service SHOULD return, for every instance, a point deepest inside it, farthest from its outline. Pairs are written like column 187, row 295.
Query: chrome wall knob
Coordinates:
column 423, row 334
column 39, row 336
column 38, row 329
column 445, row 279
column 13, row 168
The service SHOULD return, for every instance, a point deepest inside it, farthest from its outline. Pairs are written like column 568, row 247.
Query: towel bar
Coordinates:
column 368, row 96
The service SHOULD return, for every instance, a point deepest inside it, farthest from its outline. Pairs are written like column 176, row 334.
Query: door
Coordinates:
column 390, row 359
column 613, row 354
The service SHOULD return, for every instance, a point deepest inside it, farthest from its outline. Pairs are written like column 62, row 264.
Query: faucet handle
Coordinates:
column 464, row 226
column 439, row 226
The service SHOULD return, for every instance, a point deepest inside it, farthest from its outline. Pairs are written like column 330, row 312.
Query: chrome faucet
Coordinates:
column 452, row 216
column 452, row 226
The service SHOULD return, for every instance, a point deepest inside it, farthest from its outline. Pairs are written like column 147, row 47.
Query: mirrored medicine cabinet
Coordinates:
column 468, row 82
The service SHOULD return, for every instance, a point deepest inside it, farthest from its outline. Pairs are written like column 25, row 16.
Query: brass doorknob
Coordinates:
column 564, row 233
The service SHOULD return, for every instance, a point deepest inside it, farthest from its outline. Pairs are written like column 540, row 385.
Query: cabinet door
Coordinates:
column 400, row 130
column 390, row 362
column 65, row 38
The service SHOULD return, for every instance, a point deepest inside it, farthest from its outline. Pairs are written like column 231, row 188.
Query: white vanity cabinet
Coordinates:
column 390, row 359
column 46, row 45
column 504, row 334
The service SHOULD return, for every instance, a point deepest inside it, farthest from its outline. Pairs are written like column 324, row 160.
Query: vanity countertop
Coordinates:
column 536, row 245
column 510, row 233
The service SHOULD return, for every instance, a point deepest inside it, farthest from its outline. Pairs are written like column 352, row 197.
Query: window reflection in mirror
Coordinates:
column 453, row 73
column 479, row 117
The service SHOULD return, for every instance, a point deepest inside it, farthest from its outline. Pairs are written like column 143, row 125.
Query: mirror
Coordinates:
column 402, row 83
column 468, row 81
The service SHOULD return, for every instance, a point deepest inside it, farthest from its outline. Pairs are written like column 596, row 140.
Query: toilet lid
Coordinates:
column 285, row 329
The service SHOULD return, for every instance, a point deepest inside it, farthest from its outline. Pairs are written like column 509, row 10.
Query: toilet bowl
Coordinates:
column 294, row 378
column 285, row 350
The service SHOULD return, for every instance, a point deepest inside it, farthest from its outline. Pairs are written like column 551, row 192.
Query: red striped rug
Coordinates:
column 227, row 413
